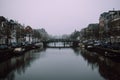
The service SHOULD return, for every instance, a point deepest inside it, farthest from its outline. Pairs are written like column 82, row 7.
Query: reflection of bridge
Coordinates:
column 65, row 42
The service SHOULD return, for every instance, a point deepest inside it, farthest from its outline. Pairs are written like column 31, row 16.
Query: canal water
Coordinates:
column 59, row 64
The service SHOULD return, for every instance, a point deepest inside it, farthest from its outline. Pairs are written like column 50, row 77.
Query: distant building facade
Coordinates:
column 108, row 28
column 109, row 25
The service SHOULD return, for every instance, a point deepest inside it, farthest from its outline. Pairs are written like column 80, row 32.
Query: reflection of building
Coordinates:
column 10, row 67
column 108, row 69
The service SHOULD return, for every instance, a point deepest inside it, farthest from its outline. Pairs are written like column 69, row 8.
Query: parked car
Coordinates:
column 3, row 46
column 13, row 45
column 106, row 45
column 97, row 43
column 116, row 46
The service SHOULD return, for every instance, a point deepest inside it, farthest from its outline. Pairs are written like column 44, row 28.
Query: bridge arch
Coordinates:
column 65, row 42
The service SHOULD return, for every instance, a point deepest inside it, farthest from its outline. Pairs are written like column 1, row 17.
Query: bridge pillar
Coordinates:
column 71, row 43
column 54, row 44
column 75, row 44
column 64, row 44
column 44, row 44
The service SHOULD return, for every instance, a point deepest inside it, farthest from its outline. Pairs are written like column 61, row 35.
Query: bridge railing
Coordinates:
column 72, row 42
column 60, row 40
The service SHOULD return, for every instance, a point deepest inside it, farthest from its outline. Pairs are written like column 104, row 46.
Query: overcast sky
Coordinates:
column 56, row 16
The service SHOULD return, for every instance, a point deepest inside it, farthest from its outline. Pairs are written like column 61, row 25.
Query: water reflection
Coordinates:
column 17, row 64
column 108, row 68
column 62, row 63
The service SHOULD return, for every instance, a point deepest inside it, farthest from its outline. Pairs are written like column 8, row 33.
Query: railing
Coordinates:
column 71, row 42
column 60, row 40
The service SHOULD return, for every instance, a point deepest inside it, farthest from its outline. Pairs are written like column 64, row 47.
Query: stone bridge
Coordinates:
column 71, row 42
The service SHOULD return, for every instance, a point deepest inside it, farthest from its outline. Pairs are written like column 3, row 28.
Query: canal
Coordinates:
column 59, row 64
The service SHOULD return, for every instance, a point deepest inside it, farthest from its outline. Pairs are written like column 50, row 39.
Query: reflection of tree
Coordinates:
column 76, row 51
column 17, row 64
column 108, row 69
column 91, row 58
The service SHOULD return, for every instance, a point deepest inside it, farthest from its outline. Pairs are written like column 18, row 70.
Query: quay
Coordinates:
column 9, row 52
column 106, row 50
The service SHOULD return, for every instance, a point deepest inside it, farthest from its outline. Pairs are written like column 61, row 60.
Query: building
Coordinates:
column 114, row 26
column 28, row 37
column 2, row 24
column 107, row 24
column 93, row 31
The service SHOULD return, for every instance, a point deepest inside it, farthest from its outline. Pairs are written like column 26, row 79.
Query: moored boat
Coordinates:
column 19, row 51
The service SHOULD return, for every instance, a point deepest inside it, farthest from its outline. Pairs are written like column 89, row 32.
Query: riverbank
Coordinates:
column 17, row 51
column 107, row 52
